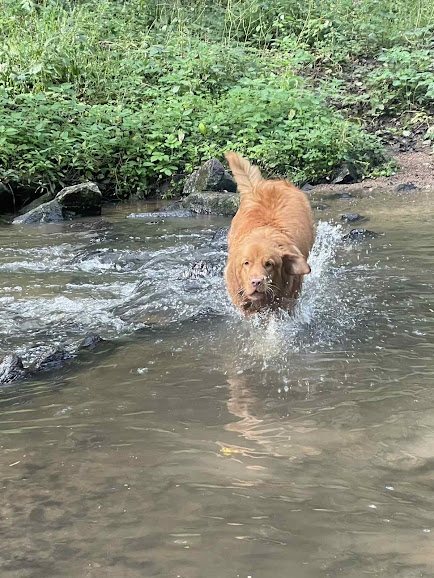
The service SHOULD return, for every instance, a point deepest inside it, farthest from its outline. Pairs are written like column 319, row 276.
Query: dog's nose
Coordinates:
column 256, row 282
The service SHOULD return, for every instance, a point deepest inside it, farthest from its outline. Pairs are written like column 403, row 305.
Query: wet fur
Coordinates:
column 274, row 222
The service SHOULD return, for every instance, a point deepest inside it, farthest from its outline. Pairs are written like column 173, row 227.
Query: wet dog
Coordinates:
column 269, row 241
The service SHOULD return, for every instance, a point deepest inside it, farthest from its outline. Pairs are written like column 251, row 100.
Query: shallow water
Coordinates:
column 194, row 443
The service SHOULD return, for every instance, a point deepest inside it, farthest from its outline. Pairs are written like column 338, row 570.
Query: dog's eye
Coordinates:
column 268, row 264
column 246, row 263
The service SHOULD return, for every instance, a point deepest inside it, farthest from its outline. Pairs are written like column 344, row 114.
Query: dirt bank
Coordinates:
column 415, row 171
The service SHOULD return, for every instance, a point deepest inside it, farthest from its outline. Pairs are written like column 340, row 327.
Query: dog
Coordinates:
column 269, row 241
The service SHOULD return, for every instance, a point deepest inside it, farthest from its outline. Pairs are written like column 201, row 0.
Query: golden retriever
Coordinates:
column 269, row 241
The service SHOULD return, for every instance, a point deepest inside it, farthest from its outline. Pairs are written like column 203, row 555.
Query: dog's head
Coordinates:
column 261, row 271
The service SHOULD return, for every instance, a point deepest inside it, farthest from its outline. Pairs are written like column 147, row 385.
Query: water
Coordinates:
column 194, row 443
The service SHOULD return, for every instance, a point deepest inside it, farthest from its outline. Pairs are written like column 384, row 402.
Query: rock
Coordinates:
column 212, row 176
column 227, row 183
column 320, row 207
column 307, row 187
column 212, row 203
column 109, row 258
column 175, row 206
column 360, row 235
column 83, row 199
column 90, row 342
column 406, row 188
column 91, row 225
column 7, row 199
column 47, row 213
column 221, row 236
column 52, row 360
column 348, row 173
column 79, row 200
column 352, row 217
column 205, row 314
column 343, row 196
column 178, row 214
column 11, row 369
column 202, row 190
column 45, row 198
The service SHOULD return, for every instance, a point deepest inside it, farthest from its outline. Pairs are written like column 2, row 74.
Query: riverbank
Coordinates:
column 414, row 171
column 135, row 96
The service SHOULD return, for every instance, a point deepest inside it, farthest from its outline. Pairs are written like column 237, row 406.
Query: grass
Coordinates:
column 131, row 93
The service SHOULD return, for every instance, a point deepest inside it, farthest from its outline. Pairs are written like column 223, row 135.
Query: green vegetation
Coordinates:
column 128, row 93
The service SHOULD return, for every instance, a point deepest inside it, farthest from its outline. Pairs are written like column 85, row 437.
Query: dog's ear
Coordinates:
column 294, row 262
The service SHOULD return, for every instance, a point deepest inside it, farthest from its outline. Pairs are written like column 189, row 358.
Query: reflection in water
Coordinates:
column 205, row 444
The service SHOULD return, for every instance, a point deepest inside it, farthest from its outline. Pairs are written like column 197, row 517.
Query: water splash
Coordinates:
column 327, row 310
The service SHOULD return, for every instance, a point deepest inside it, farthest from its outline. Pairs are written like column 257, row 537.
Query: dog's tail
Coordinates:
column 246, row 175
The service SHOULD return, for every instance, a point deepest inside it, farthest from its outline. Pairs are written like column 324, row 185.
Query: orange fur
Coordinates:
column 269, row 241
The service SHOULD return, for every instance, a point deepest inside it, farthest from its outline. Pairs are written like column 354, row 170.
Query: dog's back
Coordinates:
column 278, row 204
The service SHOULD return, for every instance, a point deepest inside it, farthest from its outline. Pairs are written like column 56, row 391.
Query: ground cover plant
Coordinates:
column 132, row 93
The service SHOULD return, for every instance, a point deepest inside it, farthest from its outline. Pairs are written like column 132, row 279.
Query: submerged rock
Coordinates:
column 212, row 176
column 212, row 203
column 79, row 200
column 406, row 188
column 91, row 341
column 360, row 235
column 109, row 258
column 352, row 217
column 12, row 369
column 307, row 187
column 55, row 359
column 177, row 214
column 91, row 225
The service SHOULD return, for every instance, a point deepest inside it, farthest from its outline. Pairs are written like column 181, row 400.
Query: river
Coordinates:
column 193, row 443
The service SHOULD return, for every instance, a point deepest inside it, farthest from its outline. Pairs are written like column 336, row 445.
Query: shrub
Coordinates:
column 116, row 90
column 52, row 138
column 404, row 81
column 289, row 131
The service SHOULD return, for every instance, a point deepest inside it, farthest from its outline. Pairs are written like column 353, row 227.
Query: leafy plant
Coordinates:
column 404, row 81
column 135, row 91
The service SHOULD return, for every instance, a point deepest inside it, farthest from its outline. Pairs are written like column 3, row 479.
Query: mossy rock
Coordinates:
column 46, row 213
column 82, row 199
column 79, row 200
column 211, row 176
column 213, row 203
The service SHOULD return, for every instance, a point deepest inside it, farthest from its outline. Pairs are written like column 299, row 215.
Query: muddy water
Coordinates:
column 193, row 443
